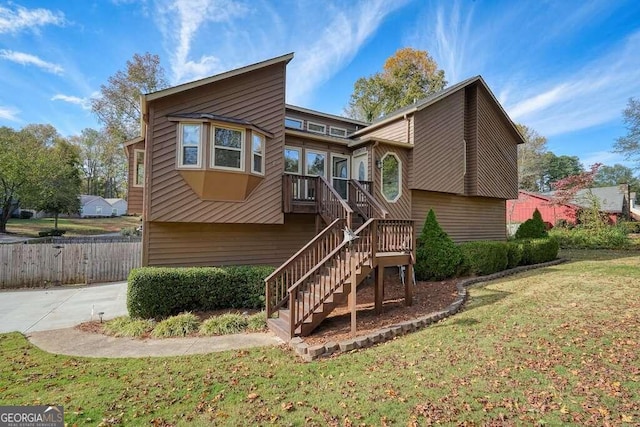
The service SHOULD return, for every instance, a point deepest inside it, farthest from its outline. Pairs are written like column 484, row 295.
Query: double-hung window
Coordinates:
column 190, row 154
column 257, row 153
column 228, row 148
column 138, row 173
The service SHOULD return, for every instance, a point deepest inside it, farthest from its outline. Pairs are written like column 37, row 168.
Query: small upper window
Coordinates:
column 138, row 173
column 391, row 177
column 257, row 153
column 293, row 123
column 316, row 127
column 292, row 160
column 190, row 145
column 333, row 131
column 228, row 147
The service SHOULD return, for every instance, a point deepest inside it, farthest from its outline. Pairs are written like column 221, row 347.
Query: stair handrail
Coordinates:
column 375, row 209
column 324, row 241
column 330, row 204
column 295, row 318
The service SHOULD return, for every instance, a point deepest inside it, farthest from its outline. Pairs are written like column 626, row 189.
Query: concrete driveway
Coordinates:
column 46, row 309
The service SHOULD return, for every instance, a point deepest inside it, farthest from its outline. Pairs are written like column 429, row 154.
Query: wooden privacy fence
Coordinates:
column 24, row 265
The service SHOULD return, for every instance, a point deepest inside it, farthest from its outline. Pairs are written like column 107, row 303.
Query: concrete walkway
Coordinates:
column 70, row 341
column 30, row 310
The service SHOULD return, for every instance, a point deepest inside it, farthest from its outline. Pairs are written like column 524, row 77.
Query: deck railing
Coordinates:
column 278, row 282
column 329, row 203
column 395, row 235
column 364, row 203
column 332, row 272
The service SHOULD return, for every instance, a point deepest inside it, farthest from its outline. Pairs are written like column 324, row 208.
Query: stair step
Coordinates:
column 279, row 327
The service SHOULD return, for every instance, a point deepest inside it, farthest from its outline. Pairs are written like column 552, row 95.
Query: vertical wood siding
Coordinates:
column 497, row 153
column 134, row 194
column 463, row 218
column 471, row 138
column 181, row 244
column 438, row 154
column 401, row 209
column 257, row 97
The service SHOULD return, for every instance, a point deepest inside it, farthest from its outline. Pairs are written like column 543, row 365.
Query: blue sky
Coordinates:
column 565, row 68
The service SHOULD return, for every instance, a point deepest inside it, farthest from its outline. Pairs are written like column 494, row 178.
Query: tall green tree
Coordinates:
column 556, row 168
column 118, row 106
column 59, row 190
column 629, row 145
column 615, row 175
column 22, row 160
column 407, row 76
column 531, row 157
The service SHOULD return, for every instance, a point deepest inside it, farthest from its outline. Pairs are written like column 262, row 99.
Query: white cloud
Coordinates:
column 604, row 157
column 28, row 59
column 180, row 21
column 327, row 50
column 84, row 103
column 21, row 18
column 9, row 113
column 589, row 96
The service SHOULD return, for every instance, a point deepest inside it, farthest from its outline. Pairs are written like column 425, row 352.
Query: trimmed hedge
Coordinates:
column 484, row 257
column 536, row 251
column 514, row 254
column 610, row 237
column 157, row 292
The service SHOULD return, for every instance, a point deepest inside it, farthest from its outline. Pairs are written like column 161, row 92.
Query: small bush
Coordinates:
column 177, row 326
column 229, row 323
column 125, row 326
column 630, row 226
column 130, row 231
column 26, row 214
column 608, row 237
column 437, row 257
column 484, row 257
column 533, row 228
column 536, row 251
column 257, row 322
column 162, row 291
column 55, row 233
column 514, row 254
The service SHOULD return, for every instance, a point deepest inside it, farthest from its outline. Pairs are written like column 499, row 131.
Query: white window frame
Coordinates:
column 323, row 126
column 294, row 120
column 135, row 168
column 390, row 153
column 306, row 166
column 348, row 159
column 214, row 147
column 343, row 132
column 181, row 164
column 300, row 159
column 263, row 144
column 98, row 210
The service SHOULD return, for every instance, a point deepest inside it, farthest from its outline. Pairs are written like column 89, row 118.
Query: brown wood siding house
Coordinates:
column 211, row 199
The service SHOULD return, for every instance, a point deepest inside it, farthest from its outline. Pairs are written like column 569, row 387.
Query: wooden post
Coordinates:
column 408, row 285
column 352, row 298
column 379, row 288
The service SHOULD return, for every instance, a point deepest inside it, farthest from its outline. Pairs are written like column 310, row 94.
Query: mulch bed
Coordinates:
column 427, row 297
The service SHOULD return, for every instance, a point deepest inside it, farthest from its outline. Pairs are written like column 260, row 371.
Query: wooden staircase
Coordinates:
column 326, row 271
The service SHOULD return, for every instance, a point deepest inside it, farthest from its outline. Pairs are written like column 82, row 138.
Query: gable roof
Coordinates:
column 86, row 199
column 611, row 199
column 114, row 201
column 435, row 97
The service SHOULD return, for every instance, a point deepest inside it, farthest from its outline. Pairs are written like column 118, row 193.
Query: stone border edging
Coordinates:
column 309, row 353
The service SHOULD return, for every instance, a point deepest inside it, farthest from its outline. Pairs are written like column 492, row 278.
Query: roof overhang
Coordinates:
column 212, row 118
column 133, row 141
column 325, row 115
column 367, row 139
column 316, row 136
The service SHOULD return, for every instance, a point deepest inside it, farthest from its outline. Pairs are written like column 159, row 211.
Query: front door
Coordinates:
column 360, row 169
column 340, row 174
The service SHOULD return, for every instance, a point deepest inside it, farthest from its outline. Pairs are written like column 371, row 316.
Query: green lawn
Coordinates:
column 554, row 346
column 74, row 226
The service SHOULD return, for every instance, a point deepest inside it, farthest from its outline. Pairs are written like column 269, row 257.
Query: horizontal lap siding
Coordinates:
column 180, row 244
column 496, row 150
column 438, row 154
column 257, row 97
column 134, row 194
column 395, row 131
column 463, row 218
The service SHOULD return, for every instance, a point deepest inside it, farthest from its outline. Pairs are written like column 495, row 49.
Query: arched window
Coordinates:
column 391, row 177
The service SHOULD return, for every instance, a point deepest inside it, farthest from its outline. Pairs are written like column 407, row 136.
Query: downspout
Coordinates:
column 408, row 127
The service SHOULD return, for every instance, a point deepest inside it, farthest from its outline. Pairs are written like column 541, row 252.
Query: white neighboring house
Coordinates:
column 118, row 206
column 94, row 206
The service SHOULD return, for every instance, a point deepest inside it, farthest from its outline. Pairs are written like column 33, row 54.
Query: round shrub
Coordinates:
column 533, row 228
column 437, row 257
column 484, row 257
